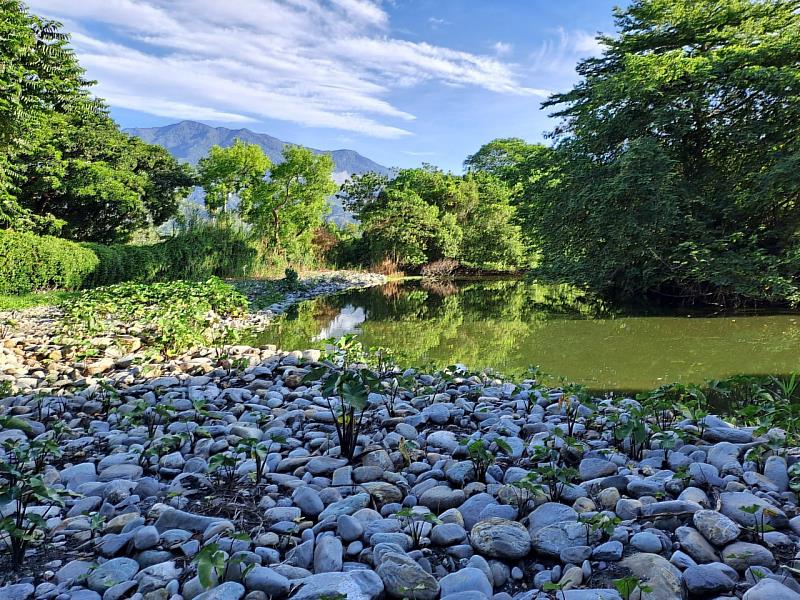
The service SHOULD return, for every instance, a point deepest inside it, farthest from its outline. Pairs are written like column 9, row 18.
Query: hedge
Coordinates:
column 32, row 263
column 35, row 263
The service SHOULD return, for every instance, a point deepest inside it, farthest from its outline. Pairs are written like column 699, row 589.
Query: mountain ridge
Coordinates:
column 190, row 140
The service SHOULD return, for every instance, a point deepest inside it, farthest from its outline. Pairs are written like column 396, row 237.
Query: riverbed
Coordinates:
column 512, row 325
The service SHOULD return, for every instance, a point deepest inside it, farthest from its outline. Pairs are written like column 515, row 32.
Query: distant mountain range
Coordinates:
column 189, row 141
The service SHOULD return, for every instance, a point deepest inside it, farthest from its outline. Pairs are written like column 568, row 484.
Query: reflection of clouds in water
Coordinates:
column 347, row 321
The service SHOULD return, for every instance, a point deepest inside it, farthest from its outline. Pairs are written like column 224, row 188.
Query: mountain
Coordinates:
column 189, row 141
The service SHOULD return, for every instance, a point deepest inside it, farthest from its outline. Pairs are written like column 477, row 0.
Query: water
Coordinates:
column 510, row 326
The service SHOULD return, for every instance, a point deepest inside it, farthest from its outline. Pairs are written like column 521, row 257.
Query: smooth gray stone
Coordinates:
column 353, row 585
column 268, row 581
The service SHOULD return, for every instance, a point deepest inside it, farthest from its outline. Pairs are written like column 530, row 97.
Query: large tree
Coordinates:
column 678, row 154
column 228, row 174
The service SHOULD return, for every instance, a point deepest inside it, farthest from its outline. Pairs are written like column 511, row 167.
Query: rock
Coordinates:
column 769, row 589
column 591, row 594
column 353, row 585
column 733, row 502
column 324, row 465
column 347, row 506
column 157, row 576
column 384, row 493
column 145, row 537
column 74, row 570
column 695, row 545
column 655, row 571
column 448, row 534
column 123, row 471
column 403, row 577
column 723, row 453
column 349, row 528
column 230, row 590
column 706, row 580
column 465, row 580
column 18, row 591
column 594, row 468
column 267, row 580
column 446, row 440
column 112, row 572
column 550, row 513
column 173, row 518
column 716, row 527
column 646, row 542
column 328, row 555
column 472, row 508
column 441, row 497
column 552, row 539
column 741, row 555
column 308, row 501
column 610, row 551
column 500, row 538
column 776, row 471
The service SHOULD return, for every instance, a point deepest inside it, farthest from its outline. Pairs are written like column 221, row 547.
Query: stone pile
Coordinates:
column 407, row 518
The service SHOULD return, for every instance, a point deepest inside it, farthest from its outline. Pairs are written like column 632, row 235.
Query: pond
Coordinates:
column 511, row 325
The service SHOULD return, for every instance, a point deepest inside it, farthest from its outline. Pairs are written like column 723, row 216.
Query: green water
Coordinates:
column 512, row 325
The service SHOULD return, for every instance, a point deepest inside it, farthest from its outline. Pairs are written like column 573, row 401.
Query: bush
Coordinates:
column 444, row 267
column 32, row 263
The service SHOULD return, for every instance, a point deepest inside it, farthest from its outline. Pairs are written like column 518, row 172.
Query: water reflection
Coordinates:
column 512, row 325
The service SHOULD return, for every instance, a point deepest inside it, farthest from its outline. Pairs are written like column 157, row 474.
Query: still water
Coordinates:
column 510, row 326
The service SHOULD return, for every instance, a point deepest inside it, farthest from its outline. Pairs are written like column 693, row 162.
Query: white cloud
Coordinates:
column 502, row 48
column 560, row 55
column 318, row 64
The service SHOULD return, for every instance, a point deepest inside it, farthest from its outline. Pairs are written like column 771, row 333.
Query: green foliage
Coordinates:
column 65, row 167
column 169, row 317
column 23, row 485
column 227, row 173
column 671, row 174
column 291, row 279
column 424, row 215
column 413, row 522
column 349, row 390
column 626, row 586
column 32, row 263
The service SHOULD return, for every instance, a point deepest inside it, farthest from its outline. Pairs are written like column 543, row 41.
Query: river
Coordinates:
column 511, row 325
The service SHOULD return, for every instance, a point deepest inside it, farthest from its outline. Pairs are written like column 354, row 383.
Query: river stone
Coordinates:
column 308, row 501
column 353, row 585
column 501, row 538
column 230, row 590
column 695, row 545
column 73, row 570
column 646, row 542
column 473, row 507
column 441, row 497
column 552, row 539
column 466, row 580
column 17, row 591
column 707, row 580
column 347, row 506
column 550, row 513
column 401, row 576
column 447, row 534
column 723, row 453
column 732, row 502
column 657, row 573
column 769, row 589
column 741, row 555
column 172, row 518
column 776, row 471
column 384, row 493
column 591, row 594
column 267, row 580
column 727, row 434
column 593, row 468
column 112, row 572
column 123, row 471
column 328, row 555
column 716, row 527
column 446, row 440
column 324, row 465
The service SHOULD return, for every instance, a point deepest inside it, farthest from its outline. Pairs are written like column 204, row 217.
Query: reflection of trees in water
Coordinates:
column 440, row 287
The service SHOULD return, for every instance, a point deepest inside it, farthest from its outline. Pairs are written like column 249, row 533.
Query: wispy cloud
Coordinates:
column 560, row 54
column 318, row 64
column 502, row 48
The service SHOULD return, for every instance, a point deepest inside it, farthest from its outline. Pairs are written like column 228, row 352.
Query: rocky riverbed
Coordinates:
column 158, row 498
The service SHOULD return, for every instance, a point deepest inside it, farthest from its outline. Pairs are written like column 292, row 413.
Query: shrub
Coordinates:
column 32, row 263
column 444, row 267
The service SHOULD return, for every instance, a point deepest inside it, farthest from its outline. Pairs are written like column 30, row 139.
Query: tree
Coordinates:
column 677, row 153
column 232, row 172
column 95, row 183
column 40, row 75
column 293, row 202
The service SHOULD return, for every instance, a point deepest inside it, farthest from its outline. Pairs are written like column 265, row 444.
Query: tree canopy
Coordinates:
column 675, row 160
column 65, row 167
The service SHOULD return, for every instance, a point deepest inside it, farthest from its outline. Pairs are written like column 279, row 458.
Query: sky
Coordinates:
column 400, row 81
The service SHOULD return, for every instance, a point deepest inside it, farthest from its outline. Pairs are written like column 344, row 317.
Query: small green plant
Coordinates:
column 558, row 588
column 223, row 465
column 414, row 523
column 480, row 455
column 22, row 485
column 257, row 451
column 600, row 522
column 626, row 586
column 349, row 391
column 760, row 525
column 290, row 279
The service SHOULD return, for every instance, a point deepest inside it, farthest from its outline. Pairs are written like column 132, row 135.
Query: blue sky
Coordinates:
column 400, row 81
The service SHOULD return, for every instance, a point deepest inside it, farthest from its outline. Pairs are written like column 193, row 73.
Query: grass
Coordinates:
column 34, row 299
